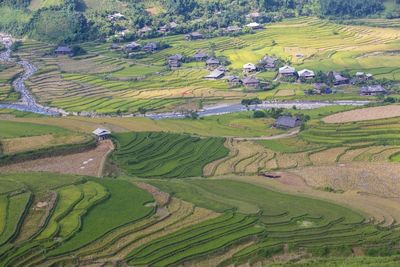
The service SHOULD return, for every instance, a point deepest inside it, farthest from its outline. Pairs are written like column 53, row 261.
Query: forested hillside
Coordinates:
column 60, row 21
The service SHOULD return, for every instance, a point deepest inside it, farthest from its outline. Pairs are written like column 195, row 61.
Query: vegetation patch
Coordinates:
column 166, row 155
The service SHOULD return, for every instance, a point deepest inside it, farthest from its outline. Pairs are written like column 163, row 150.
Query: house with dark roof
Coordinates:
column 338, row 79
column 286, row 122
column 145, row 30
column 233, row 29
column 268, row 62
column 233, row 81
column 150, row 47
column 133, row 46
column 372, row 90
column 215, row 74
column 212, row 63
column 63, row 51
column 178, row 57
column 194, row 36
column 200, row 56
column 174, row 61
column 251, row 82
column 115, row 46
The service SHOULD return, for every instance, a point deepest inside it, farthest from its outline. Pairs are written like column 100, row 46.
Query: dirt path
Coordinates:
column 292, row 133
column 88, row 163
column 104, row 159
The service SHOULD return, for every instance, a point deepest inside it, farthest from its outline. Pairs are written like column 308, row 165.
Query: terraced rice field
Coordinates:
column 105, row 82
column 321, row 224
column 166, row 155
column 67, row 225
column 365, row 114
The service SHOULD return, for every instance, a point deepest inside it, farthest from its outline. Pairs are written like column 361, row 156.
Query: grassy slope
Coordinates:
column 166, row 155
column 10, row 129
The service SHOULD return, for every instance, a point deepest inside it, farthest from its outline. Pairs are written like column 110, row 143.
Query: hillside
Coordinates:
column 76, row 20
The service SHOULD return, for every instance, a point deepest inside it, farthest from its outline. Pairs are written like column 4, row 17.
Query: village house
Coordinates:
column 64, row 51
column 287, row 71
column 373, row 90
column 101, row 134
column 200, row 56
column 268, row 62
column 115, row 46
column 233, row 81
column 251, row 82
column 306, row 74
column 173, row 25
column 249, row 68
column 174, row 64
column 361, row 76
column 194, row 36
column 163, row 29
column 233, row 29
column 145, row 30
column 174, row 61
column 338, row 79
column 115, row 17
column 133, row 46
column 150, row 47
column 215, row 74
column 255, row 26
column 287, row 122
column 253, row 15
column 212, row 63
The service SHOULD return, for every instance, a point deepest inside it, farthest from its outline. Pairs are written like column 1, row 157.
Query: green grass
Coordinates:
column 295, row 220
column 195, row 241
column 16, row 208
column 126, row 204
column 378, row 132
column 12, row 129
column 166, row 155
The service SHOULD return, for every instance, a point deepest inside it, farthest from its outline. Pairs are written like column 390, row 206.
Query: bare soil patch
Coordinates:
column 85, row 163
column 365, row 114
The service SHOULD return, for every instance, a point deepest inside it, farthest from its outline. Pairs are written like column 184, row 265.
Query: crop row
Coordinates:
column 166, row 155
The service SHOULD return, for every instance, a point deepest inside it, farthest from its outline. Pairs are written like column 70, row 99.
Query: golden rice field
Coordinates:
column 104, row 81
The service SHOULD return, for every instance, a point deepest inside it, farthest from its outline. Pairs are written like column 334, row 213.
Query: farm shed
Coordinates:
column 373, row 90
column 215, row 75
column 250, row 82
column 249, row 67
column 306, row 74
column 286, row 122
column 115, row 16
column 63, row 50
column 101, row 134
column 287, row 71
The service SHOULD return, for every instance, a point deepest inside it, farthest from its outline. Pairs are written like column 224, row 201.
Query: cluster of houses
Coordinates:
column 134, row 47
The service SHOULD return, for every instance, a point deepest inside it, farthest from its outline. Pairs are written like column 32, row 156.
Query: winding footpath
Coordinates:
column 27, row 101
